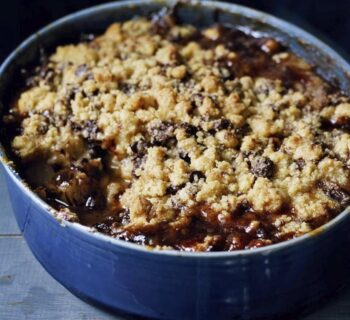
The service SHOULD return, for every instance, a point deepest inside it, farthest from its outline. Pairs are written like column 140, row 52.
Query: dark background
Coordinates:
column 328, row 19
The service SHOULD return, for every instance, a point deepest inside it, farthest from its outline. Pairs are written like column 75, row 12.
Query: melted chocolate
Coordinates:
column 243, row 229
column 342, row 124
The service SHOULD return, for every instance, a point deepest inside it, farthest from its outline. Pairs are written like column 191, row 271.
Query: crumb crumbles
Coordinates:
column 174, row 137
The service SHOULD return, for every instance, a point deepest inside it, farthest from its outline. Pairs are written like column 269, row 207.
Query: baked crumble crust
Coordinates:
column 174, row 137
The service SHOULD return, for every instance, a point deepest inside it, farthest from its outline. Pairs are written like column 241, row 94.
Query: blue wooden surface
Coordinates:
column 27, row 291
column 8, row 224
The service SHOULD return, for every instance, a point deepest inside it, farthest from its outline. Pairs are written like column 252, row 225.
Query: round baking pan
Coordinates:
column 274, row 282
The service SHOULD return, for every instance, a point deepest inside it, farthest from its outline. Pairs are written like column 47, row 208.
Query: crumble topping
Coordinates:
column 174, row 137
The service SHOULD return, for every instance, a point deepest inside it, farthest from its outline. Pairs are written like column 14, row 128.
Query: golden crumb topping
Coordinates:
column 175, row 137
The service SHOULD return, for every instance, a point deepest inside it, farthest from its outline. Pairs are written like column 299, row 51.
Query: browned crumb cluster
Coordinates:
column 174, row 137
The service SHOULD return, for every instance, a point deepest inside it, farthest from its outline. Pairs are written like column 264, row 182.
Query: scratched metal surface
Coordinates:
column 27, row 291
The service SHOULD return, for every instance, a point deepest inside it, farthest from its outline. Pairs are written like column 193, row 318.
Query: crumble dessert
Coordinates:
column 179, row 138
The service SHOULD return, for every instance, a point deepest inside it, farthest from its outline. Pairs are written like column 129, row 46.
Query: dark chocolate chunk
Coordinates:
column 242, row 208
column 300, row 163
column 190, row 129
column 262, row 167
column 95, row 150
column 162, row 134
column 76, row 127
column 222, row 124
column 335, row 192
column 342, row 123
column 196, row 100
column 137, row 161
column 243, row 130
column 276, row 142
column 128, row 88
column 195, row 176
column 140, row 147
column 88, row 129
column 174, row 189
column 106, row 225
column 163, row 21
column 70, row 95
column 185, row 157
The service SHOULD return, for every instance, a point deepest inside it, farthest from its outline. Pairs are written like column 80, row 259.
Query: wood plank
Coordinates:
column 8, row 224
column 27, row 291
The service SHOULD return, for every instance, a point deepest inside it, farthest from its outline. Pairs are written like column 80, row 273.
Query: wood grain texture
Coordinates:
column 8, row 224
column 28, row 292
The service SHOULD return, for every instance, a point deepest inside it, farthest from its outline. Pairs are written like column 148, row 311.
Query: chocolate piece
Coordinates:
column 263, row 167
column 174, row 189
column 342, row 123
column 300, row 163
column 162, row 133
column 195, row 176
column 190, row 129
column 184, row 156
column 335, row 192
column 140, row 147
column 222, row 124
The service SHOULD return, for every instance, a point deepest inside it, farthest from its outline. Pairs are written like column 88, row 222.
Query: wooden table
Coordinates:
column 27, row 291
